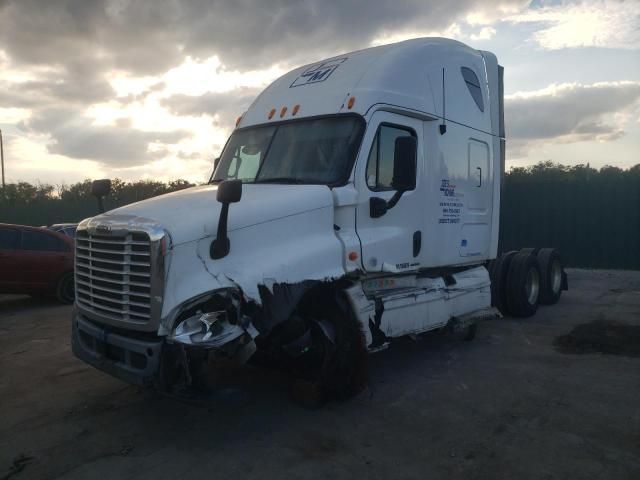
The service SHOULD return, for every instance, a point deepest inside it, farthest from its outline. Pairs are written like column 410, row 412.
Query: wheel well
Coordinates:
column 319, row 299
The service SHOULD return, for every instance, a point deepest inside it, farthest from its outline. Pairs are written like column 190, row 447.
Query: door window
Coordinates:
column 380, row 162
column 9, row 239
column 42, row 242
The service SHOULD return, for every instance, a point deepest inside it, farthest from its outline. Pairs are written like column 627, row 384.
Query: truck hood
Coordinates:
column 193, row 213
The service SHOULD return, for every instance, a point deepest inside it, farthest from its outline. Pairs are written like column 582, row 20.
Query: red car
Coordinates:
column 36, row 261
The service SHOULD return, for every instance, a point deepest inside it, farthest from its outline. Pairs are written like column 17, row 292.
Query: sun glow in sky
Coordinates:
column 152, row 91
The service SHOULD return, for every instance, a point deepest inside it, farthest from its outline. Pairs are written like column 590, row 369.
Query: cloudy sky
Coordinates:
column 151, row 88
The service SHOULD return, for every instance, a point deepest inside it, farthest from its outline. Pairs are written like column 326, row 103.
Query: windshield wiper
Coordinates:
column 286, row 180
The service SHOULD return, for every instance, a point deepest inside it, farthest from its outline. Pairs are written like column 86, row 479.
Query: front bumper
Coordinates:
column 132, row 360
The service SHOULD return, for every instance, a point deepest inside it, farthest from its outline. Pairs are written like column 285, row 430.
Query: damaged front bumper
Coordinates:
column 133, row 360
column 163, row 363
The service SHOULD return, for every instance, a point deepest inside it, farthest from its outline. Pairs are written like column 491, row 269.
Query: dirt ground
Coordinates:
column 508, row 405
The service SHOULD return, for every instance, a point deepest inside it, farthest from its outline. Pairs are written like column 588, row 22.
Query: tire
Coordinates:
column 550, row 275
column 65, row 290
column 523, row 285
column 461, row 333
column 498, row 274
column 470, row 332
column 342, row 369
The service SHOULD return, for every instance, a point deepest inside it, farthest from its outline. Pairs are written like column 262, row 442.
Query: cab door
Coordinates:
column 392, row 241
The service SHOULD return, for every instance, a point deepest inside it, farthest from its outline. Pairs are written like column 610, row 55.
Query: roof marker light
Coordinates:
column 352, row 100
column 271, row 113
column 238, row 120
column 283, row 110
column 295, row 109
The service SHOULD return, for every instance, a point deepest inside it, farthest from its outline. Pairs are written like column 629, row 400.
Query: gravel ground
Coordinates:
column 508, row 405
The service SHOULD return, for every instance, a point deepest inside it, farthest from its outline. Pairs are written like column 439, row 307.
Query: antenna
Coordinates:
column 443, row 126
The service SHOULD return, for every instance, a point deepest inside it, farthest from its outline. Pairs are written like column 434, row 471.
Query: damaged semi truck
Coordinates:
column 356, row 201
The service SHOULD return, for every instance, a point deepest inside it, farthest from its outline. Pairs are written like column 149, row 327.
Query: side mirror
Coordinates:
column 404, row 164
column 100, row 189
column 229, row 191
column 404, row 175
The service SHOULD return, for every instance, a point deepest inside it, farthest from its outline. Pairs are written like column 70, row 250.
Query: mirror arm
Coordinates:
column 379, row 206
column 220, row 246
column 393, row 200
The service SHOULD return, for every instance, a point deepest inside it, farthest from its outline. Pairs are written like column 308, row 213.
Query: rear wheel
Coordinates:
column 498, row 271
column 523, row 285
column 65, row 291
column 550, row 276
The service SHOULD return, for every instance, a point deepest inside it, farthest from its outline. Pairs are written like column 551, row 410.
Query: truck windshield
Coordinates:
column 317, row 151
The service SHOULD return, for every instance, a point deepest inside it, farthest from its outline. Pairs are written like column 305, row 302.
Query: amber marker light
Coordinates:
column 353, row 256
column 238, row 120
column 283, row 110
column 350, row 103
column 271, row 113
column 295, row 109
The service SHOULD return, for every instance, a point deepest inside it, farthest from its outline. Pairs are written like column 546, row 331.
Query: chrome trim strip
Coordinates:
column 108, row 309
column 110, row 280
column 113, row 252
column 115, row 300
column 115, row 272
column 108, row 260
column 113, row 290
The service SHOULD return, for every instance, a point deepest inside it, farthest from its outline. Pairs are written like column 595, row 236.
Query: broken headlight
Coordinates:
column 210, row 329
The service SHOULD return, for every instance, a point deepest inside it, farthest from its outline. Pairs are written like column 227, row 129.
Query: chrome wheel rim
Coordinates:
column 556, row 277
column 532, row 286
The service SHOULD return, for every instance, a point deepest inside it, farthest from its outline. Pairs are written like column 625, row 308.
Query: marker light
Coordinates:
column 238, row 120
column 350, row 103
column 295, row 109
column 353, row 256
column 283, row 110
column 271, row 113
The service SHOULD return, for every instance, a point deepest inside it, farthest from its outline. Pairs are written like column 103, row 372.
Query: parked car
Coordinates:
column 36, row 261
column 68, row 229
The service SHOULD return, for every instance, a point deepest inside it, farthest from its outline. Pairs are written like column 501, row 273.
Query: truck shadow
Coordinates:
column 251, row 405
column 235, row 387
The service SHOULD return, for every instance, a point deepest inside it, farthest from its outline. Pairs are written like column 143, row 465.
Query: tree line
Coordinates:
column 45, row 204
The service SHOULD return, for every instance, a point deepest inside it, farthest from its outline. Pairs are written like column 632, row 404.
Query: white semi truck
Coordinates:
column 357, row 200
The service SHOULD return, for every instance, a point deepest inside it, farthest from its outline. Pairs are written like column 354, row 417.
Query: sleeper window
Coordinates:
column 473, row 84
column 380, row 162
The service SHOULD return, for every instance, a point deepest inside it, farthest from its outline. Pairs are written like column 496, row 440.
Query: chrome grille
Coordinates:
column 114, row 275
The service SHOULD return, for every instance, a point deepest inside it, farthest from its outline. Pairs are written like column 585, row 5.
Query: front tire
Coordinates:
column 339, row 368
column 65, row 290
